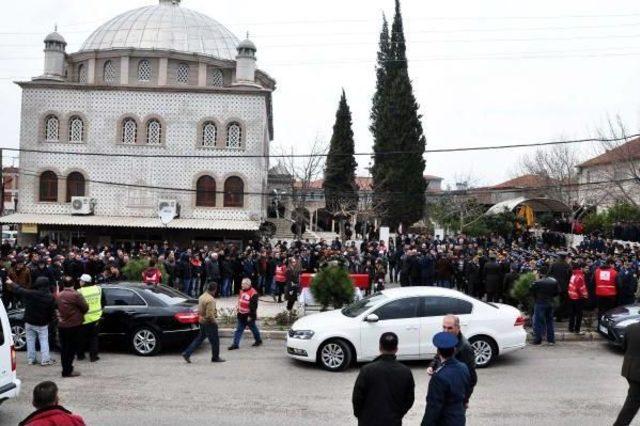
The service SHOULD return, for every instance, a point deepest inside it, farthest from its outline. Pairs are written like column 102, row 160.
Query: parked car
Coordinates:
column 9, row 382
column 613, row 323
column 335, row 339
column 144, row 318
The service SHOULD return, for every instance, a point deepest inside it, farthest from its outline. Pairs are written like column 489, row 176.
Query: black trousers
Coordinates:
column 89, row 341
column 207, row 331
column 631, row 405
column 575, row 314
column 280, row 290
column 69, row 338
column 605, row 304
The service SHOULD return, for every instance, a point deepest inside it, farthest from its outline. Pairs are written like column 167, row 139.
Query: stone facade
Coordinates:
column 180, row 114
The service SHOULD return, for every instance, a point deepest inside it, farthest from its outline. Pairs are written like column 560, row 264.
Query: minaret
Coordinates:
column 54, row 55
column 246, row 62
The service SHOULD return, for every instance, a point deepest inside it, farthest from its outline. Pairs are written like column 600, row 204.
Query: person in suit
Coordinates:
column 384, row 390
column 631, row 372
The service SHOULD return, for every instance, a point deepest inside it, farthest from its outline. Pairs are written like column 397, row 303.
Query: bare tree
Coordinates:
column 305, row 171
column 460, row 207
column 556, row 169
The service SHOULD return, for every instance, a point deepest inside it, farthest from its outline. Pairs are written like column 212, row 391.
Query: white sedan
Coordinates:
column 334, row 339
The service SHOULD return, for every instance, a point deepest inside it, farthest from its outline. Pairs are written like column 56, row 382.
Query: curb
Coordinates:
column 265, row 334
column 565, row 336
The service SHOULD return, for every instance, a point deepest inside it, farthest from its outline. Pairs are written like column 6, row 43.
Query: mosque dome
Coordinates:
column 165, row 26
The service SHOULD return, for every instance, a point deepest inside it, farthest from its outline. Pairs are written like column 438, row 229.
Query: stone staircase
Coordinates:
column 283, row 231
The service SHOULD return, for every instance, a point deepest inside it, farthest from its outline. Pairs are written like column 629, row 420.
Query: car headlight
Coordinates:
column 626, row 323
column 301, row 334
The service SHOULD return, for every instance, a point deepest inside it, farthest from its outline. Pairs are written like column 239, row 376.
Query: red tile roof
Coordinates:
column 526, row 181
column 627, row 151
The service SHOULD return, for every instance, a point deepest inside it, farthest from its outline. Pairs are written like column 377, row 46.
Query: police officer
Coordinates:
column 89, row 336
column 464, row 353
column 448, row 387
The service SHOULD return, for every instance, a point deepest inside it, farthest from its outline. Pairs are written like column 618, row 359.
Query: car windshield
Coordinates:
column 167, row 295
column 360, row 306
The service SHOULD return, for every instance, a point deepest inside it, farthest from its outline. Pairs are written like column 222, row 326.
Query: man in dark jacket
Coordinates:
column 384, row 390
column 544, row 290
column 463, row 353
column 631, row 372
column 561, row 271
column 492, row 279
column 42, row 270
column 38, row 314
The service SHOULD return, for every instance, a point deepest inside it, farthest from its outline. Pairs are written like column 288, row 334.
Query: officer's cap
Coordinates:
column 444, row 340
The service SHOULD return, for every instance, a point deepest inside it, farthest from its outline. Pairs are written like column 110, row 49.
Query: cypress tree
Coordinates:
column 340, row 170
column 399, row 185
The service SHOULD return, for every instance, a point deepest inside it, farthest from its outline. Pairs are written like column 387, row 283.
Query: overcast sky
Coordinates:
column 484, row 72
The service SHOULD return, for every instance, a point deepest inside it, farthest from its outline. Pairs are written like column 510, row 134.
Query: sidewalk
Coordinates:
column 267, row 308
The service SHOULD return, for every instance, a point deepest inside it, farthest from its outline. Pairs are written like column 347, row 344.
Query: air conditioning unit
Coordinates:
column 82, row 205
column 168, row 210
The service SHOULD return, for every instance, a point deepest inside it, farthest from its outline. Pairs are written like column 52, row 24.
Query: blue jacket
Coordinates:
column 448, row 388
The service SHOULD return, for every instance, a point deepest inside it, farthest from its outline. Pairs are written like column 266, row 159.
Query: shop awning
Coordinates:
column 130, row 222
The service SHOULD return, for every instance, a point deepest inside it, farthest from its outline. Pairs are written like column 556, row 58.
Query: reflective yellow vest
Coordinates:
column 93, row 296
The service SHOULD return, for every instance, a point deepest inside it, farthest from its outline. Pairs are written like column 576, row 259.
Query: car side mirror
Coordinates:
column 372, row 318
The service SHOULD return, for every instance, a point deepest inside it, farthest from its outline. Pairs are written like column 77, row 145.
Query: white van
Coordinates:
column 9, row 382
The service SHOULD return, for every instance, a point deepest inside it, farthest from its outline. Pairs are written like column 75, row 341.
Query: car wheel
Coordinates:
column 334, row 355
column 19, row 333
column 485, row 350
column 145, row 341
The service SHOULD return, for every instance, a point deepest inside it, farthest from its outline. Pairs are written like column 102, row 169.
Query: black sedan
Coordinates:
column 144, row 318
column 614, row 323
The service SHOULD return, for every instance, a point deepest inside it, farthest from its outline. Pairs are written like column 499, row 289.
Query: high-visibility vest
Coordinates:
column 93, row 296
column 244, row 300
column 606, row 282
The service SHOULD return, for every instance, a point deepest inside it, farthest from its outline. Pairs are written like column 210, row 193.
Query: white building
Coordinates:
column 160, row 103
column 611, row 177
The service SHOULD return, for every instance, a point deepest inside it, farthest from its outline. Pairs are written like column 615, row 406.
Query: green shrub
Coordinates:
column 521, row 291
column 332, row 287
column 285, row 319
column 132, row 271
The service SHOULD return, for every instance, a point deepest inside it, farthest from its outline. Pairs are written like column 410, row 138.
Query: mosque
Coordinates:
column 158, row 128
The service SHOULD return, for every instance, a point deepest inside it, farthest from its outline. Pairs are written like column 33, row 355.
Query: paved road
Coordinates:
column 570, row 384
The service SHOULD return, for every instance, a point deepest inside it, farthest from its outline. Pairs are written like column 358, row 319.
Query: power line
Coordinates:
column 447, row 31
column 375, row 42
column 317, row 155
column 468, row 192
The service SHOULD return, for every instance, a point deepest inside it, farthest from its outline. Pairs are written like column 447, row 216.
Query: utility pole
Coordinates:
column 2, row 183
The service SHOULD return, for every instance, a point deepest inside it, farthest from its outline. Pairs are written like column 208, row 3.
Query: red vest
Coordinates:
column 244, row 300
column 577, row 287
column 281, row 274
column 606, row 282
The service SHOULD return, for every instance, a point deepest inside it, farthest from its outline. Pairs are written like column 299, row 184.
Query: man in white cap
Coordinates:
column 89, row 336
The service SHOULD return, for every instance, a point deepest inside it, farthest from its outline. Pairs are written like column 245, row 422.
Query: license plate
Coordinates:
column 603, row 329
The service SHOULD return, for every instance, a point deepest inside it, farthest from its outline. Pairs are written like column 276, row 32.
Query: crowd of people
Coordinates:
column 483, row 267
